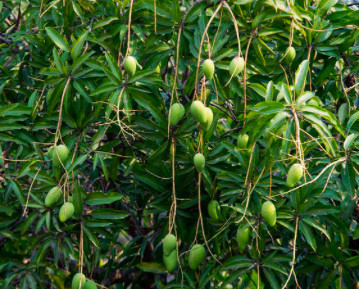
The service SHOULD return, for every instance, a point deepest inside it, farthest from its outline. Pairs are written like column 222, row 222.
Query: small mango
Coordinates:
column 199, row 162
column 208, row 68
column 209, row 120
column 77, row 279
column 290, row 55
column 242, row 237
column 52, row 196
column 295, row 173
column 236, row 66
column 176, row 113
column 66, row 211
column 269, row 213
column 90, row 285
column 59, row 155
column 169, row 244
column 196, row 256
column 130, row 64
column 213, row 210
column 183, row 9
column 242, row 141
column 198, row 110
column 170, row 261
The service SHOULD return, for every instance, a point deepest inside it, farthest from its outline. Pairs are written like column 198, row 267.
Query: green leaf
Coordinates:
column 300, row 76
column 151, row 267
column 99, row 198
column 109, row 214
column 76, row 49
column 58, row 39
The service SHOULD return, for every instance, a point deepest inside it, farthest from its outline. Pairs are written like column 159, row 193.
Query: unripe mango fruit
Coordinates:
column 78, row 277
column 242, row 237
column 52, row 196
column 290, row 55
column 208, row 68
column 213, row 210
column 169, row 244
column 66, row 211
column 170, row 261
column 183, row 9
column 176, row 113
column 242, row 141
column 198, row 110
column 90, row 285
column 209, row 120
column 199, row 162
column 295, row 173
column 130, row 64
column 236, row 66
column 196, row 256
column 60, row 154
column 269, row 213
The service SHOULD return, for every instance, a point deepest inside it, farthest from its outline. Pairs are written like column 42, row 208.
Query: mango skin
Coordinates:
column 76, row 281
column 176, row 113
column 170, row 261
column 295, row 173
column 242, row 237
column 66, row 211
column 196, row 256
column 59, row 155
column 290, row 55
column 199, row 162
column 213, row 210
column 129, row 64
column 208, row 68
column 209, row 120
column 236, row 66
column 198, row 110
column 269, row 213
column 90, row 285
column 169, row 244
column 242, row 141
column 52, row 196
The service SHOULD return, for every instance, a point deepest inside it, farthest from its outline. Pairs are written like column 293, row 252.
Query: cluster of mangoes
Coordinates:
column 79, row 281
column 197, row 254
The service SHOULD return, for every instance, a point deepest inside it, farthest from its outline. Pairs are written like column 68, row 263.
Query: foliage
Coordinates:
column 130, row 175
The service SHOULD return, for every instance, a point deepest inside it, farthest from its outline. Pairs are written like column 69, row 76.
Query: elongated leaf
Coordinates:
column 300, row 76
column 60, row 41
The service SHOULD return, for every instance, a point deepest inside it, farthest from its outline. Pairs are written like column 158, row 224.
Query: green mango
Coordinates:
column 209, row 120
column 90, row 285
column 269, row 213
column 208, row 68
column 53, row 196
column 76, row 281
column 242, row 141
column 213, row 210
column 176, row 113
column 169, row 244
column 170, row 261
column 66, row 211
column 59, row 155
column 236, row 66
column 130, row 64
column 199, row 162
column 198, row 110
column 290, row 55
column 295, row 173
column 196, row 256
column 183, row 9
column 243, row 237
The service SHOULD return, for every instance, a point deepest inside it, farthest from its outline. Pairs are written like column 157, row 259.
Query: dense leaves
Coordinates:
column 130, row 175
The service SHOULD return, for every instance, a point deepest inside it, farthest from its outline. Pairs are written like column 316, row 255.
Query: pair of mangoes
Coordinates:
column 67, row 209
column 170, row 252
column 202, row 114
column 295, row 173
column 59, row 154
column 235, row 67
column 79, row 281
